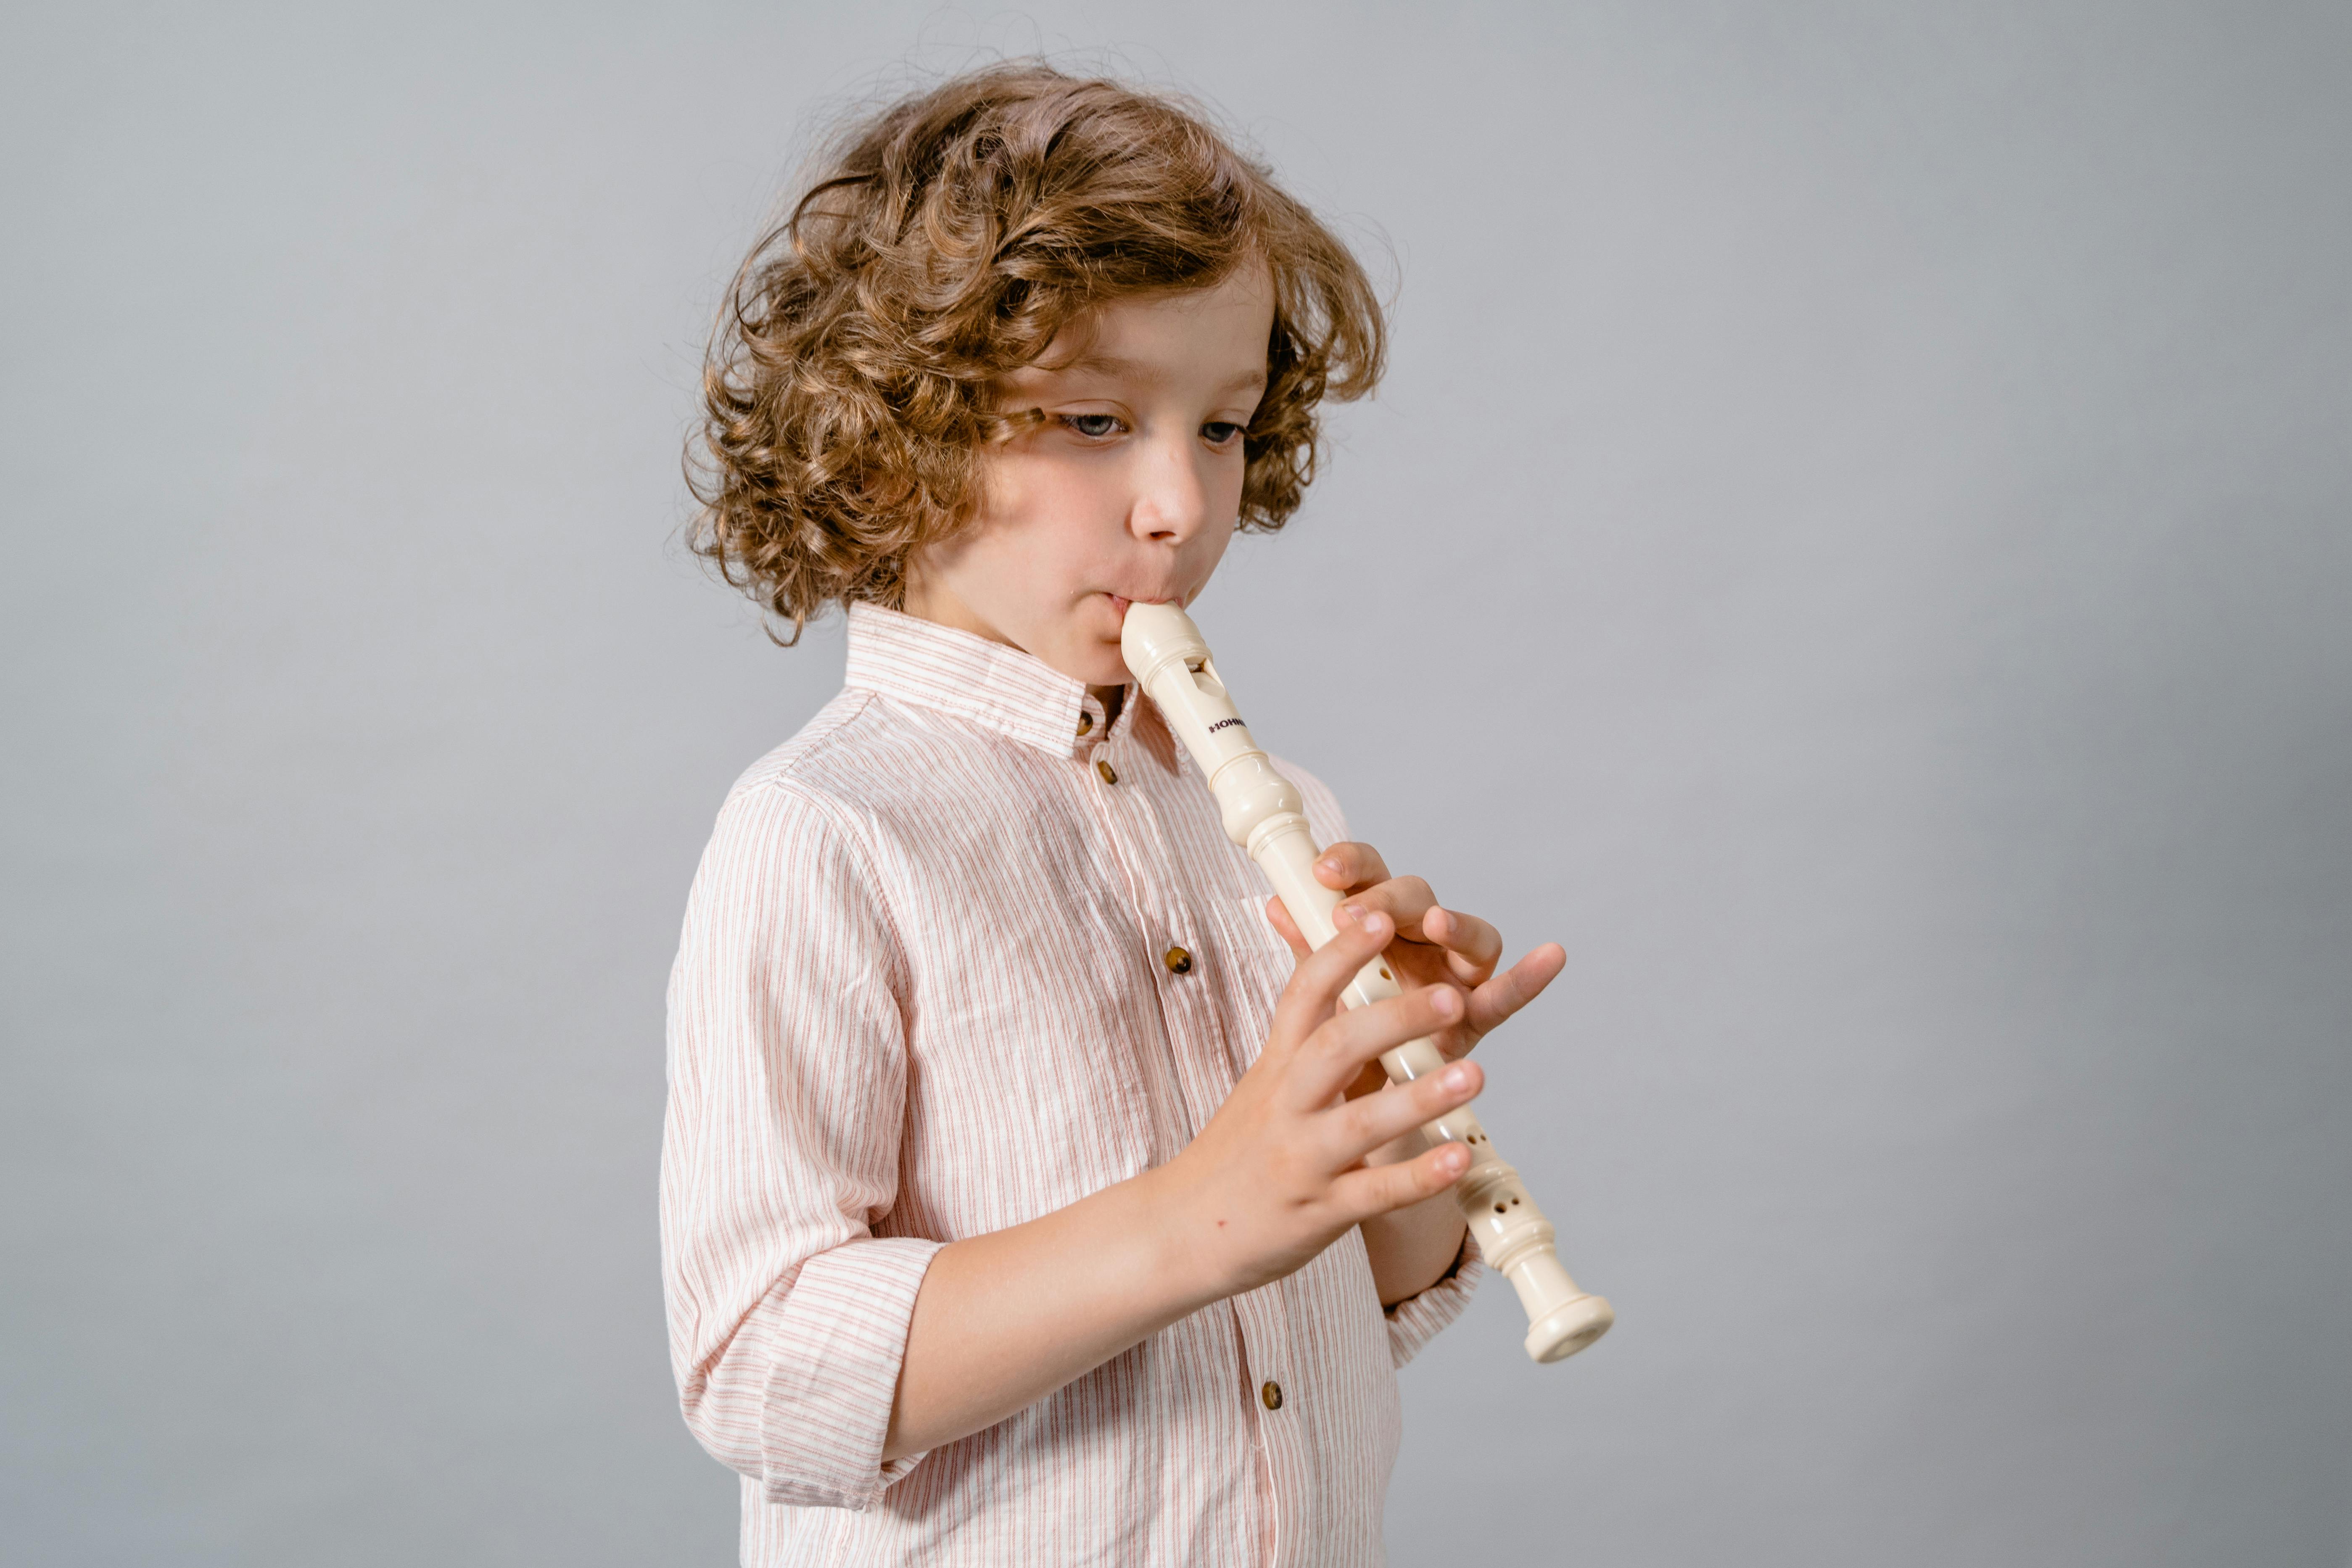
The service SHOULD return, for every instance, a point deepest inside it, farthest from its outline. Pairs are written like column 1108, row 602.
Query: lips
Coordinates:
column 1120, row 603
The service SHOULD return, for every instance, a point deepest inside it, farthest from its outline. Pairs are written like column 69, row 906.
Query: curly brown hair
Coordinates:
column 849, row 380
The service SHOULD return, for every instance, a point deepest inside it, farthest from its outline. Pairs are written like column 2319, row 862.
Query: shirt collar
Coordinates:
column 991, row 684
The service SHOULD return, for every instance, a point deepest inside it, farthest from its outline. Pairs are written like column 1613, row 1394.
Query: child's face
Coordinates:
column 1128, row 491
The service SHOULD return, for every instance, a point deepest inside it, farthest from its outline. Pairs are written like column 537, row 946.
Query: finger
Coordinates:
column 1467, row 937
column 1371, row 1078
column 1515, row 987
column 1404, row 900
column 1378, row 1189
column 1341, row 1046
column 1354, row 1129
column 1313, row 993
column 1347, row 867
column 1277, row 915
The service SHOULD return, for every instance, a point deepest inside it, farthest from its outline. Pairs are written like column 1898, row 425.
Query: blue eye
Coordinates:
column 1220, row 431
column 1093, row 426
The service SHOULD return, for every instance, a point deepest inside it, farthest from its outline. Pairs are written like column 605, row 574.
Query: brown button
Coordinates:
column 1178, row 961
column 1109, row 775
column 1272, row 1395
column 1086, row 722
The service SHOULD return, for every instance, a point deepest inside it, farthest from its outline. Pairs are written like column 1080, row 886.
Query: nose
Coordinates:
column 1171, row 495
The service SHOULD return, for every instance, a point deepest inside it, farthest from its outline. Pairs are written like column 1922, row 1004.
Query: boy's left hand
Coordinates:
column 1434, row 946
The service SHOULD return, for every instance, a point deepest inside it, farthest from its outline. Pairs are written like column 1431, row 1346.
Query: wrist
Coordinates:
column 1182, row 1248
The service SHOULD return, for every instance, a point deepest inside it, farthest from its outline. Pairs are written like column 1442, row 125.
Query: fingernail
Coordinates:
column 1445, row 1004
column 1457, row 1157
column 1374, row 923
column 1455, row 1076
column 1348, row 912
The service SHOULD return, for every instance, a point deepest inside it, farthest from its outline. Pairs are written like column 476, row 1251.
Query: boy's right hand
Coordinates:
column 1006, row 1318
column 1278, row 1174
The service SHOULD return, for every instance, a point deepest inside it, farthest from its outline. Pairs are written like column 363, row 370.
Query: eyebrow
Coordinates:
column 1138, row 369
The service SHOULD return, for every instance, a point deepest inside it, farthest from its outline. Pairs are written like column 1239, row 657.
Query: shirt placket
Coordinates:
column 1172, row 923
column 1168, row 927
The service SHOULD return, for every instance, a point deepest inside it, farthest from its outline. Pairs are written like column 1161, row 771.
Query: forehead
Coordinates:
column 1215, row 336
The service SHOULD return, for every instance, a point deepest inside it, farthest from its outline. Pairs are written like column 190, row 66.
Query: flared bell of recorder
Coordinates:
column 1564, row 1330
column 1562, row 1319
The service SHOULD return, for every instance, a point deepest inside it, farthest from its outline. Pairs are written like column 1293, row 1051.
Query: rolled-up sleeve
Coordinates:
column 788, row 1314
column 1417, row 1319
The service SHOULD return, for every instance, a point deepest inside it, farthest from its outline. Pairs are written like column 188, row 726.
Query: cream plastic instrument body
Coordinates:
column 1264, row 814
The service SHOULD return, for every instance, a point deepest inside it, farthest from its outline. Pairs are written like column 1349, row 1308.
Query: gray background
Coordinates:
column 1854, row 543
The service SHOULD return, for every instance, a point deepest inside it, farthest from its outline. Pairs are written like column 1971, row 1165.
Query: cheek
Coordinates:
column 1225, row 487
column 1035, row 495
column 1030, row 552
column 1211, row 547
column 1236, row 471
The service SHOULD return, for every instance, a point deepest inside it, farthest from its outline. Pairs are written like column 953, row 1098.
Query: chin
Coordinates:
column 1104, row 666
column 1088, row 656
column 1090, row 649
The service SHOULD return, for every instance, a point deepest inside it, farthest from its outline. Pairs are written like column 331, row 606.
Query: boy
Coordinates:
column 1008, row 1216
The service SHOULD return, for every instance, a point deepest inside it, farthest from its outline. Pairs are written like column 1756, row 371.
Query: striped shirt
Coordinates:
column 959, row 954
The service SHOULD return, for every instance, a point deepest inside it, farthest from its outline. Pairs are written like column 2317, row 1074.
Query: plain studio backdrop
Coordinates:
column 1856, row 543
